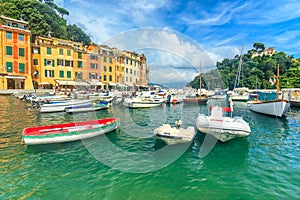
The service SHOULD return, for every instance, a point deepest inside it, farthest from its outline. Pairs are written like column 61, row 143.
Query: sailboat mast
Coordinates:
column 278, row 83
column 200, row 80
column 238, row 74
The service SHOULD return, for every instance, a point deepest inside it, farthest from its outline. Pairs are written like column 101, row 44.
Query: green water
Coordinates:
column 131, row 164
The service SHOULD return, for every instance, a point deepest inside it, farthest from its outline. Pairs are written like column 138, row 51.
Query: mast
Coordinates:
column 200, row 80
column 278, row 83
column 238, row 74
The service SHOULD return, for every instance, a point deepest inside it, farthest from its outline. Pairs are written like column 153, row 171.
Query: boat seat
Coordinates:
column 216, row 114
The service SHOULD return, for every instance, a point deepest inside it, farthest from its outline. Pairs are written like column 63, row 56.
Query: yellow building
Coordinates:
column 58, row 61
column 131, row 64
column 15, row 54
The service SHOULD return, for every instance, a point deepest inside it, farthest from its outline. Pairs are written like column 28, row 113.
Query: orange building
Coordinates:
column 15, row 54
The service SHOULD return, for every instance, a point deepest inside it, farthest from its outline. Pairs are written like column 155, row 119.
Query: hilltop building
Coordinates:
column 15, row 54
column 269, row 51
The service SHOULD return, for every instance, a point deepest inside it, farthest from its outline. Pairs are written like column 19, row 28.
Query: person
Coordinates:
column 178, row 124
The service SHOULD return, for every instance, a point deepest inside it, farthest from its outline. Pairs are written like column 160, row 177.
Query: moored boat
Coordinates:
column 276, row 108
column 221, row 127
column 174, row 135
column 60, row 107
column 79, row 109
column 68, row 132
column 142, row 102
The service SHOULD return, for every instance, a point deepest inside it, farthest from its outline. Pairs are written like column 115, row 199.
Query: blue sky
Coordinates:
column 177, row 35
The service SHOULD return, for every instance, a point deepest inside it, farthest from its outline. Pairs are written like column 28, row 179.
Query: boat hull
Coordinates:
column 224, row 129
column 141, row 103
column 276, row 108
column 172, row 136
column 68, row 132
column 86, row 109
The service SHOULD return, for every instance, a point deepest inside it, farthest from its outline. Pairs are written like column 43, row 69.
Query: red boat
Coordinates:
column 58, row 133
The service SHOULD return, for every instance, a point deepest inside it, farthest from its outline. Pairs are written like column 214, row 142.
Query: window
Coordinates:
column 68, row 52
column 104, row 78
column 78, row 75
column 79, row 64
column 60, row 62
column 110, row 60
column 22, row 52
column 130, row 71
column 21, row 67
column 61, row 74
column 110, row 78
column 104, row 59
column 94, row 66
column 69, row 63
column 36, row 50
column 79, row 55
column 49, row 51
column 104, row 68
column 9, row 50
column 9, row 67
column 110, row 69
column 61, row 51
column 35, row 61
column 21, row 37
column 68, row 74
column 117, row 68
column 48, row 62
column 49, row 73
column 93, row 57
column 8, row 35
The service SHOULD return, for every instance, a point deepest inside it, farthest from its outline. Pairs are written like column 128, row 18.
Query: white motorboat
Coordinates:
column 174, row 135
column 222, row 128
column 240, row 94
column 142, row 102
column 276, row 108
column 60, row 107
column 80, row 109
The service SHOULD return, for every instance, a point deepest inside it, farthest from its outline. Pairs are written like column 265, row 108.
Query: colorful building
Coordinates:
column 58, row 61
column 15, row 54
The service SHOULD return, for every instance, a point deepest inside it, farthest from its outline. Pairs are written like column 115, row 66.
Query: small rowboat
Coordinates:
column 58, row 133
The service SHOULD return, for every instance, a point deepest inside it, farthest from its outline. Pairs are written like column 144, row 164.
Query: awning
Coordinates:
column 65, row 82
column 81, row 83
column 121, row 85
column 44, row 83
column 16, row 77
column 96, row 83
column 112, row 84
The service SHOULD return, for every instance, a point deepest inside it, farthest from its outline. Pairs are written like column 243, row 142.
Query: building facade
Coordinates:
column 15, row 54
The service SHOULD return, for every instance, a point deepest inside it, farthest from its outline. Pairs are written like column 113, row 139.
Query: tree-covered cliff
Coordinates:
column 43, row 17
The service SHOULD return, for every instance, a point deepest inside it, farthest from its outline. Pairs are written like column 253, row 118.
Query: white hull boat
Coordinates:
column 222, row 128
column 48, row 108
column 141, row 102
column 173, row 135
column 79, row 109
column 276, row 108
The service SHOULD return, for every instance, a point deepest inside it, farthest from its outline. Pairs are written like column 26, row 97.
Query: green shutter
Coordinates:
column 9, row 66
column 53, row 63
column 21, row 67
column 45, row 62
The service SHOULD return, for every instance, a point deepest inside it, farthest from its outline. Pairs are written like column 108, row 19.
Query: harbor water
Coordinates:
column 130, row 163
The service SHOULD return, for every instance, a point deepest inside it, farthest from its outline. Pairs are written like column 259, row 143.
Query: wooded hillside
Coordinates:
column 43, row 17
column 255, row 71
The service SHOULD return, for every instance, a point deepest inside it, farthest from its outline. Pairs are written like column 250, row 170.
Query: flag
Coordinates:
column 271, row 81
